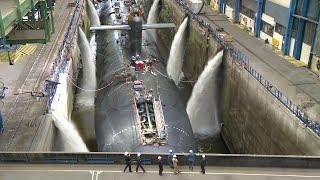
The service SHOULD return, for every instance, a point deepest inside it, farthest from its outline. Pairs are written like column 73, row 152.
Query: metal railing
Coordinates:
column 61, row 61
column 243, row 61
column 111, row 158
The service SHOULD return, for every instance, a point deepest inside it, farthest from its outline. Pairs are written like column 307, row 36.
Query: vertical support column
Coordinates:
column 237, row 4
column 287, row 37
column 221, row 6
column 1, row 124
column 32, row 10
column 2, row 30
column 300, row 31
column 19, row 10
column 44, row 17
column 317, row 37
column 257, row 26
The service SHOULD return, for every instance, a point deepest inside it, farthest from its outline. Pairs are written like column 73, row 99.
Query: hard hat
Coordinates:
column 174, row 156
column 203, row 156
column 191, row 151
column 159, row 157
column 126, row 153
column 139, row 154
column 170, row 150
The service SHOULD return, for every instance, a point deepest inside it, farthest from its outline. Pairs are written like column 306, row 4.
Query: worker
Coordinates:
column 175, row 164
column 127, row 159
column 1, row 123
column 191, row 159
column 160, row 164
column 203, row 164
column 170, row 156
column 139, row 163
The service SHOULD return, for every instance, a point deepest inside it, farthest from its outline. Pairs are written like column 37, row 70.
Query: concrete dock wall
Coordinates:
column 254, row 120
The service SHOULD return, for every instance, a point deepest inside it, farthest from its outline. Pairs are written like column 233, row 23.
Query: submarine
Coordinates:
column 137, row 107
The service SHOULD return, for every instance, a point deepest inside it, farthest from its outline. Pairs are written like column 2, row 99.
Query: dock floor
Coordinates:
column 103, row 172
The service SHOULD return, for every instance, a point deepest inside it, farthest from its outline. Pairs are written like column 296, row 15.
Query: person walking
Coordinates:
column 203, row 164
column 160, row 164
column 191, row 159
column 139, row 163
column 170, row 156
column 127, row 159
column 175, row 164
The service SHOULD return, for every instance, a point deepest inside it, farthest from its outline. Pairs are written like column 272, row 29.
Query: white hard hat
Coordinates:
column 159, row 157
column 170, row 150
column 203, row 155
column 191, row 151
column 174, row 156
column 126, row 153
column 139, row 154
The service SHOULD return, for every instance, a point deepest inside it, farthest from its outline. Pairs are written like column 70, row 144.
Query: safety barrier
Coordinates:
column 243, row 61
column 61, row 61
column 111, row 158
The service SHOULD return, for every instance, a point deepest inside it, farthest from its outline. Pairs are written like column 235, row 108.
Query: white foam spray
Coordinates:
column 202, row 107
column 175, row 62
column 93, row 14
column 85, row 98
column 72, row 142
column 94, row 21
column 153, row 17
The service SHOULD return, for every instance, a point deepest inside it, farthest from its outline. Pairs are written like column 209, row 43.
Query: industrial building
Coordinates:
column 289, row 25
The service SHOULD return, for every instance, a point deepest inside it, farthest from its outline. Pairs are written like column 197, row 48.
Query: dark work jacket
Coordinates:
column 160, row 164
column 127, row 159
column 203, row 162
column 139, row 160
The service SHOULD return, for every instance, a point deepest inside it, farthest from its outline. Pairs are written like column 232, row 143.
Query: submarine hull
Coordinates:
column 117, row 129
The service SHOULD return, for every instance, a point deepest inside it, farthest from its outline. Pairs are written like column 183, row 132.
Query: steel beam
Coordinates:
column 287, row 37
column 19, row 13
column 305, row 18
column 237, row 4
column 258, row 22
column 317, row 37
column 2, row 30
column 222, row 6
column 300, row 31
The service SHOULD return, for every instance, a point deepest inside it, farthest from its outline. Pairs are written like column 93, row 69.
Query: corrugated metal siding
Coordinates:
column 313, row 11
column 278, row 12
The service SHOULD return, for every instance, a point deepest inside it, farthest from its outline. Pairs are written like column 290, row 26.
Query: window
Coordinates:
column 267, row 28
column 280, row 29
column 247, row 12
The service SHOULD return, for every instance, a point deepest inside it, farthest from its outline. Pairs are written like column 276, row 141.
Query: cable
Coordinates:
column 90, row 90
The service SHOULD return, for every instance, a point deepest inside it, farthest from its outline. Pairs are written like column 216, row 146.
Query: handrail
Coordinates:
column 231, row 160
column 59, row 64
column 243, row 61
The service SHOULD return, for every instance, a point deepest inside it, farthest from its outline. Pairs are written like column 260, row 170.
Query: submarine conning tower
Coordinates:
column 135, row 26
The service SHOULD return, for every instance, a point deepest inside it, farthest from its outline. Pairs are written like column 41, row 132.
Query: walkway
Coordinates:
column 104, row 172
column 21, row 112
column 298, row 84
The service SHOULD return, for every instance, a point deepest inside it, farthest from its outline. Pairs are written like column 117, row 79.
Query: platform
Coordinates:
column 9, row 12
column 22, row 113
column 103, row 172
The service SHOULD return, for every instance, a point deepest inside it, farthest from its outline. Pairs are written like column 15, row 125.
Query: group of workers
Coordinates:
column 172, row 162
